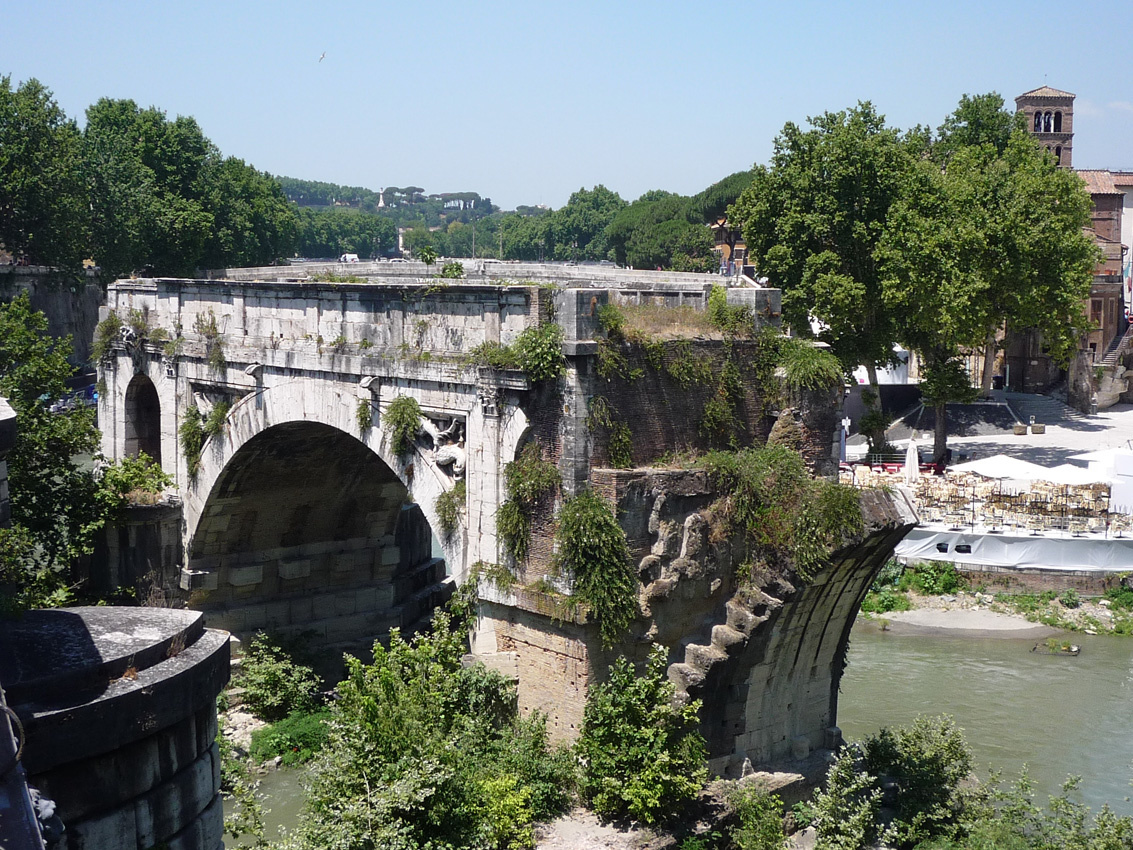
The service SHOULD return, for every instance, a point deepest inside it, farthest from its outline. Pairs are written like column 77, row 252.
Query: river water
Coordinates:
column 1057, row 714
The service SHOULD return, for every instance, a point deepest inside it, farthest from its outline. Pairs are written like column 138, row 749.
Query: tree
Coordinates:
column 578, row 230
column 148, row 189
column 55, row 504
column 813, row 220
column 43, row 203
column 991, row 239
column 253, row 223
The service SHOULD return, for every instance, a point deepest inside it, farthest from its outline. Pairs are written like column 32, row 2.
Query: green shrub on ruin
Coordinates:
column 364, row 416
column 539, row 351
column 643, row 757
column 402, row 422
column 768, row 494
column 493, row 355
column 274, row 684
column 106, row 334
column 192, row 436
column 807, row 366
column 591, row 547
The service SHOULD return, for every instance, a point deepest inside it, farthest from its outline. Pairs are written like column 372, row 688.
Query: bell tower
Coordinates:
column 1050, row 118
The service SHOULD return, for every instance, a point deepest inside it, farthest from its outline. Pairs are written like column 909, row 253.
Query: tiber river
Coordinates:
column 1059, row 715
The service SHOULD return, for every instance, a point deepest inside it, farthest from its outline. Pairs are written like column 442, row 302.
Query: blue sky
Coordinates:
column 528, row 101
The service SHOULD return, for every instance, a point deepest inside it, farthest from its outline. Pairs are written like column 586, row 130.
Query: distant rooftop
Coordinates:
column 1045, row 91
column 1099, row 182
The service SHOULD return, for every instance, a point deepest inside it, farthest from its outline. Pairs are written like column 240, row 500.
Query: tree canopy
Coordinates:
column 43, row 200
column 936, row 242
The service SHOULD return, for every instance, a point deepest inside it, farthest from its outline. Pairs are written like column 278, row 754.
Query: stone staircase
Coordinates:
column 1119, row 347
column 1045, row 409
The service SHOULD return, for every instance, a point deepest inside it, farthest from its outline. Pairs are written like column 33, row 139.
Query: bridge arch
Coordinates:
column 142, row 419
column 298, row 522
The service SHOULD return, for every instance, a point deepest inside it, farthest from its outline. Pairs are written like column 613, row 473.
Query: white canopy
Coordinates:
column 1004, row 466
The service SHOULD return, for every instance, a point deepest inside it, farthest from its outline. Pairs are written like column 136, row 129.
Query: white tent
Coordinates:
column 1002, row 466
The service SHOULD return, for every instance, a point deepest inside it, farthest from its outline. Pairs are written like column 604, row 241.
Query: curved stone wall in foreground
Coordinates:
column 119, row 710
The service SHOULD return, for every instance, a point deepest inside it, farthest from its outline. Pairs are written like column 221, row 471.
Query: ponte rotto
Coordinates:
column 266, row 396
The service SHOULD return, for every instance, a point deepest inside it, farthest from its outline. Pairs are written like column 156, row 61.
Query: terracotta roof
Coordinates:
column 1099, row 182
column 1122, row 178
column 1045, row 91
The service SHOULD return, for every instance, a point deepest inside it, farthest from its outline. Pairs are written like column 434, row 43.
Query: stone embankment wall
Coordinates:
column 71, row 307
column 119, row 710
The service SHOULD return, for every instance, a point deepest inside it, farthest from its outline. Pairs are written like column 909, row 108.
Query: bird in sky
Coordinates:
column 324, row 56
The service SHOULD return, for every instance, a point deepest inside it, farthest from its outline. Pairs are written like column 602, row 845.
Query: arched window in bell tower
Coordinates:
column 1048, row 121
column 1038, row 122
column 1058, row 155
column 1058, row 122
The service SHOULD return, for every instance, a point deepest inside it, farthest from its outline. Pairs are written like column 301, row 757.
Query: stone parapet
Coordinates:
column 119, row 710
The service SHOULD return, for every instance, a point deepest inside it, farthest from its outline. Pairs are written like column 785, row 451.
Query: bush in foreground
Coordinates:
column 275, row 686
column 423, row 752
column 643, row 758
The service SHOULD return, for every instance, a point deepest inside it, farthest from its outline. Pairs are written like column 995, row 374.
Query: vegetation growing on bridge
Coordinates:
column 195, row 429
column 788, row 516
column 591, row 547
column 449, row 506
column 528, row 480
column 402, row 422
column 767, row 362
column 205, row 325
column 537, row 351
column 106, row 333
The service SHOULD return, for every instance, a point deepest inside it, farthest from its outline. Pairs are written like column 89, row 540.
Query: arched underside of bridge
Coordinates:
column 307, row 530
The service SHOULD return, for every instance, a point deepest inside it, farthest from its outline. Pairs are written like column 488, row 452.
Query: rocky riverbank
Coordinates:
column 1021, row 615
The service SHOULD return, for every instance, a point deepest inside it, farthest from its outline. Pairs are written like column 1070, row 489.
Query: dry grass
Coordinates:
column 668, row 322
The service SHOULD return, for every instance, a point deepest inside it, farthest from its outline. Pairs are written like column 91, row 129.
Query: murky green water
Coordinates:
column 1058, row 714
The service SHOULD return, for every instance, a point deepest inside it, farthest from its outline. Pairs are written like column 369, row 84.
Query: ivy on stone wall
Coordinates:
column 528, row 480
column 449, row 506
column 591, row 547
column 402, row 422
column 619, row 441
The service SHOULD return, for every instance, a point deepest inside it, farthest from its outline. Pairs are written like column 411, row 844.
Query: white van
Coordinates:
column 348, row 258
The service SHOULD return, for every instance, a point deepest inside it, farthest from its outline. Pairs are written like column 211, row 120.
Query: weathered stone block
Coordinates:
column 198, row 580
column 294, row 569
column 245, row 576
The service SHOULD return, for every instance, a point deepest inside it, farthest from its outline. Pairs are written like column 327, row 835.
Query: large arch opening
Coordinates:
column 143, row 419
column 306, row 530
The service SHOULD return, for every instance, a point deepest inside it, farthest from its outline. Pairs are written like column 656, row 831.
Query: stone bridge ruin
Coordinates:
column 273, row 402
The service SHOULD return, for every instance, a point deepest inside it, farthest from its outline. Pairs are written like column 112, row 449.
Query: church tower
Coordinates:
column 1050, row 118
